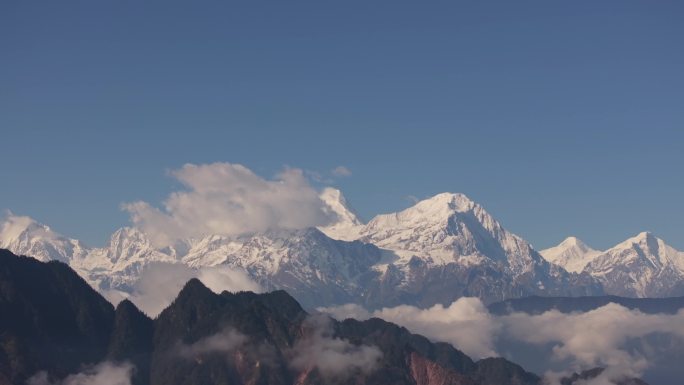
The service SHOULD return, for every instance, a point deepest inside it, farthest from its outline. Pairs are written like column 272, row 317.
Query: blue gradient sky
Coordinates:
column 560, row 117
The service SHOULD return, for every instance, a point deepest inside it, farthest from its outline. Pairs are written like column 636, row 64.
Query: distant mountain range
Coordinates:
column 54, row 327
column 641, row 266
column 442, row 248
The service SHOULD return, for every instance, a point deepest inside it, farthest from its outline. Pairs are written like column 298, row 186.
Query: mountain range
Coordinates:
column 641, row 266
column 436, row 251
column 55, row 329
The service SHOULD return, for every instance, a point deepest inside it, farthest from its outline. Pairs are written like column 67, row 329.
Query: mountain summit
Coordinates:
column 641, row 266
column 24, row 235
column 572, row 254
column 449, row 228
column 347, row 225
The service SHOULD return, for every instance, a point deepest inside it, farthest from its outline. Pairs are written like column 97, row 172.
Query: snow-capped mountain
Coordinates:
column 23, row 235
column 440, row 249
column 308, row 264
column 641, row 266
column 448, row 246
column 118, row 265
column 449, row 228
column 348, row 224
column 572, row 254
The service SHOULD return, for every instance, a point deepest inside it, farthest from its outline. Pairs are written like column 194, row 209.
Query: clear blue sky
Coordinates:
column 560, row 117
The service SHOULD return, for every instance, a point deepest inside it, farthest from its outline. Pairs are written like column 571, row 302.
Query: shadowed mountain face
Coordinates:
column 52, row 321
column 269, row 339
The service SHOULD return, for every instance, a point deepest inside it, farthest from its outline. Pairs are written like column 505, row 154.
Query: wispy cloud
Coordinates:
column 224, row 342
column 412, row 198
column 341, row 171
column 331, row 356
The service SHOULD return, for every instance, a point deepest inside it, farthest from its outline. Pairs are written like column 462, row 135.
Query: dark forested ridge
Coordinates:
column 51, row 321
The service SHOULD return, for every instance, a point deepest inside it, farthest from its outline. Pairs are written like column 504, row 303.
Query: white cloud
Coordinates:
column 229, row 199
column 597, row 338
column 13, row 225
column 333, row 357
column 341, row 171
column 466, row 323
column 105, row 373
column 160, row 283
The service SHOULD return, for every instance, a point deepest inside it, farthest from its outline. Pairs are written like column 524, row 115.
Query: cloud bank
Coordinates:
column 229, row 199
column 465, row 323
column 597, row 338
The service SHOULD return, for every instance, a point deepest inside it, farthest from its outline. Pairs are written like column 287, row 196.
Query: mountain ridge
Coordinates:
column 210, row 338
column 440, row 249
column 641, row 266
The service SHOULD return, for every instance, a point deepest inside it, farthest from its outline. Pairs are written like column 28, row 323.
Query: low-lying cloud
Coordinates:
column 159, row 284
column 597, row 338
column 317, row 349
column 229, row 199
column 465, row 323
column 331, row 356
column 105, row 373
column 224, row 342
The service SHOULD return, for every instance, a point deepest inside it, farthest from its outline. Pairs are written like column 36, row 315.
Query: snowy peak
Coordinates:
column 437, row 209
column 337, row 204
column 13, row 227
column 24, row 235
column 16, row 227
column 126, row 243
column 572, row 254
column 641, row 266
column 442, row 204
column 574, row 242
column 644, row 240
column 450, row 228
column 346, row 224
column 644, row 247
